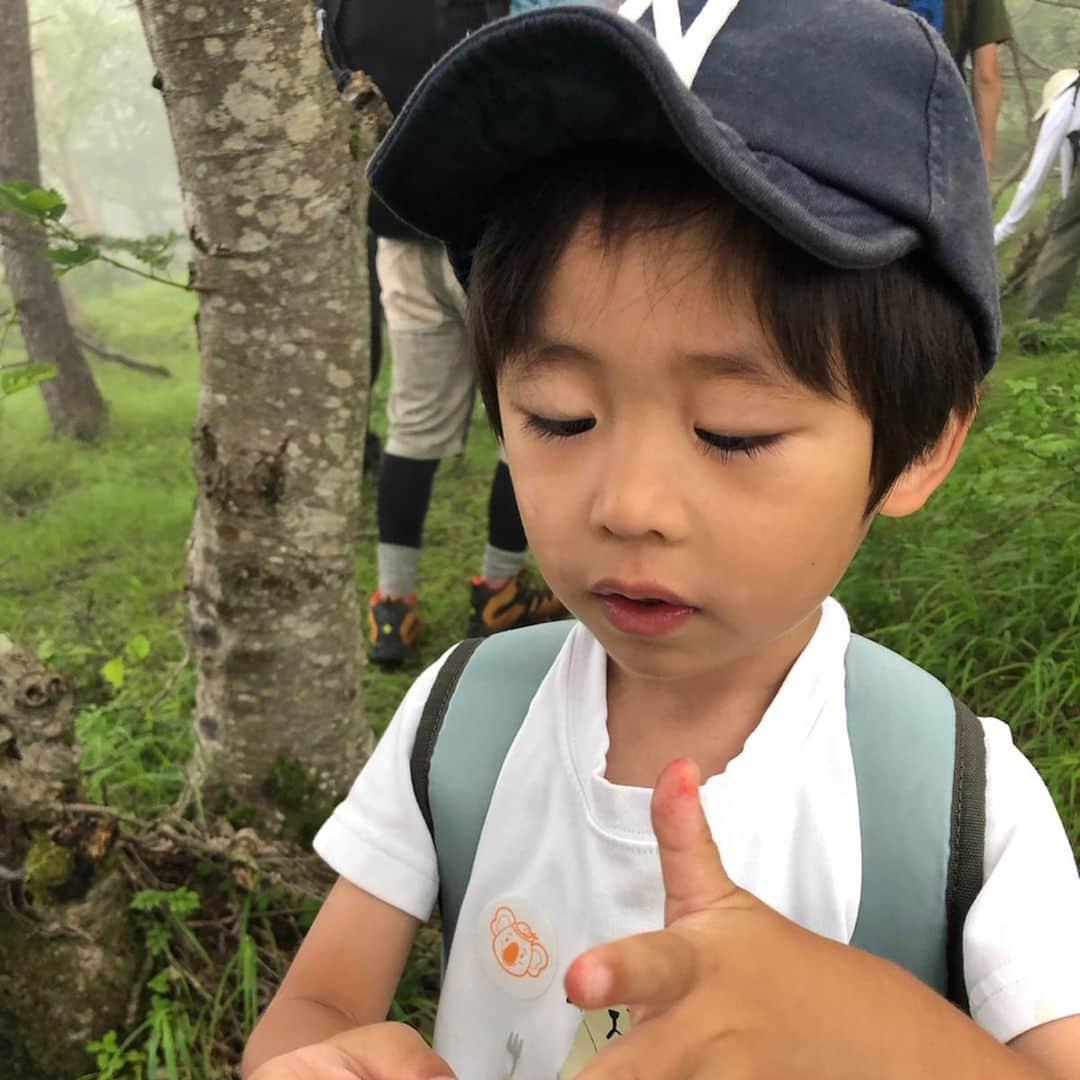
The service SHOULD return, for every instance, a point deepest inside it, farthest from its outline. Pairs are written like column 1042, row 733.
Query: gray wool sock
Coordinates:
column 499, row 564
column 398, row 566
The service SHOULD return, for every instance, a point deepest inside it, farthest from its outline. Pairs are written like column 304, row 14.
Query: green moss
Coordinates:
column 87, row 984
column 240, row 815
column 16, row 1063
column 48, row 864
column 297, row 790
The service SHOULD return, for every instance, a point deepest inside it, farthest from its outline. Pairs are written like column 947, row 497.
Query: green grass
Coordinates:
column 983, row 588
column 92, row 545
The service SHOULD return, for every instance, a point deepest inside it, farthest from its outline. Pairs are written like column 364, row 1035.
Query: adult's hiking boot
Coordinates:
column 393, row 628
column 513, row 603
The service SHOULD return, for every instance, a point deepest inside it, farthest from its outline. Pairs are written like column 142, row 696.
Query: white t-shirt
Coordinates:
column 567, row 860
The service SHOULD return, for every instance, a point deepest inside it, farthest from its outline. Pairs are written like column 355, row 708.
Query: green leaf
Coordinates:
column 113, row 672
column 138, row 648
column 70, row 257
column 47, row 202
column 22, row 377
column 41, row 204
column 13, row 195
column 183, row 901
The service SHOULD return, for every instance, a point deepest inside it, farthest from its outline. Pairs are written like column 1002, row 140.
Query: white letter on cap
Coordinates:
column 685, row 51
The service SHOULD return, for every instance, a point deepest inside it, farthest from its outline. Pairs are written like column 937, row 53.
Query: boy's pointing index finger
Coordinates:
column 652, row 971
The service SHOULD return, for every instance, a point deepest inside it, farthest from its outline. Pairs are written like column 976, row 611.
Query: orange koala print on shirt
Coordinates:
column 516, row 945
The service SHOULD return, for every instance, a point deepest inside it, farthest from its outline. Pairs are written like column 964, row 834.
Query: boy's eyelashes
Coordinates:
column 727, row 445
column 548, row 428
column 712, row 442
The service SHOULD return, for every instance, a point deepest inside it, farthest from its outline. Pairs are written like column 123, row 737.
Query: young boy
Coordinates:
column 732, row 294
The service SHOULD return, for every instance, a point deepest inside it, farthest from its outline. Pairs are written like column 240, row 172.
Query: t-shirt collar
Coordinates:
column 789, row 721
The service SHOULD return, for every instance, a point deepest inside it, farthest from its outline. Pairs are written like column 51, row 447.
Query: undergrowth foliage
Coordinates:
column 982, row 588
column 132, row 741
column 211, row 948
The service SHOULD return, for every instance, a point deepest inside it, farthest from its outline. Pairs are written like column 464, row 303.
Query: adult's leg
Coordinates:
column 1055, row 268
column 404, row 496
column 505, row 550
column 430, row 400
column 502, row 598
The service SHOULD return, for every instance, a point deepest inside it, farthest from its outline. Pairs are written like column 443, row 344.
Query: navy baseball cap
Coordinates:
column 844, row 124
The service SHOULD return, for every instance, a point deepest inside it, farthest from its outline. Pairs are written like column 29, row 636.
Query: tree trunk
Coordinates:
column 273, row 198
column 68, row 949
column 74, row 404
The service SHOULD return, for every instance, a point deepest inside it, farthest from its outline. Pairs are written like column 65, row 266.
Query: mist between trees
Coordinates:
column 103, row 135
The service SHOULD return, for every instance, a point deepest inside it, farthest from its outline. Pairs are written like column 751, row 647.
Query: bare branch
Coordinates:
column 1034, row 62
column 1028, row 107
column 98, row 349
column 1029, row 254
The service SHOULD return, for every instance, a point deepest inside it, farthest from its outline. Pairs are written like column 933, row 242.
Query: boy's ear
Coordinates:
column 923, row 477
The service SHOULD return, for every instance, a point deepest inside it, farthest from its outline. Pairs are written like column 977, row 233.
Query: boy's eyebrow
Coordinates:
column 746, row 366
column 743, row 365
column 544, row 352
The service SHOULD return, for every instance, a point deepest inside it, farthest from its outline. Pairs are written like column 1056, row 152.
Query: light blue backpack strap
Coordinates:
column 465, row 734
column 920, row 775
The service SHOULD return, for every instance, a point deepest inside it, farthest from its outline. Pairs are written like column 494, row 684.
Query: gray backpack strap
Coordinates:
column 431, row 720
column 470, row 720
column 919, row 760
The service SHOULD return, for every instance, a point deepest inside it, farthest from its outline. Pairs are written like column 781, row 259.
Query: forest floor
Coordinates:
column 982, row 587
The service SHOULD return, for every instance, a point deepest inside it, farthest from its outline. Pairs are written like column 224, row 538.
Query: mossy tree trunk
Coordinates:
column 72, row 399
column 68, row 950
column 273, row 197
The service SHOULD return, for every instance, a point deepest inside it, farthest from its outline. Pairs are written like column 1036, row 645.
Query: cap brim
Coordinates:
column 532, row 86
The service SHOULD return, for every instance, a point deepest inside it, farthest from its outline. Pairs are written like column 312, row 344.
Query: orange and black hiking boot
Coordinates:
column 393, row 628
column 514, row 603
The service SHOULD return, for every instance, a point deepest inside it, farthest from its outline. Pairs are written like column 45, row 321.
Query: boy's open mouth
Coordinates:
column 644, row 609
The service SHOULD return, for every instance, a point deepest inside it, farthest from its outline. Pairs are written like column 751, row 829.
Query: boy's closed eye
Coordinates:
column 712, row 442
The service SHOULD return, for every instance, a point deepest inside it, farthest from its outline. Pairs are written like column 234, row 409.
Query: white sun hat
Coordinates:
column 1056, row 85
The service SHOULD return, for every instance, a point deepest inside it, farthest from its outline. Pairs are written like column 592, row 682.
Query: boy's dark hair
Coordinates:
column 898, row 339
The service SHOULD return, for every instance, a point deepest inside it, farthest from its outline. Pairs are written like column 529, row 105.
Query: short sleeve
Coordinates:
column 1022, row 935
column 377, row 837
column 989, row 24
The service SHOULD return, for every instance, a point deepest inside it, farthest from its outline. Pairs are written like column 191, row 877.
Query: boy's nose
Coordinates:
column 638, row 494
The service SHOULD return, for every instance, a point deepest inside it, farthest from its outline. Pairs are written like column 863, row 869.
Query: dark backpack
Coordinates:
column 920, row 773
column 394, row 42
column 933, row 11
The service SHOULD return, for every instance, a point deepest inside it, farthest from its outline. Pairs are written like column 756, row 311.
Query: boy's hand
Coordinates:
column 731, row 988
column 387, row 1051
